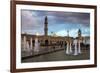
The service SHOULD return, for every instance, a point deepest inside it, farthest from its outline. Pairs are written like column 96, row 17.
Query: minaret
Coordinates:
column 68, row 33
column 46, row 26
column 79, row 41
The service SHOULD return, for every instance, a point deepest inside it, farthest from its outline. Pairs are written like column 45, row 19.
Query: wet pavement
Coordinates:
column 59, row 55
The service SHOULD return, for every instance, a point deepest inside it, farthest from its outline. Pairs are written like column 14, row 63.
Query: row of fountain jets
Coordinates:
column 29, row 48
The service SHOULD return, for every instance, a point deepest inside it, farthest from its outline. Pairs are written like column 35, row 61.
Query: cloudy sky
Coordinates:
column 32, row 22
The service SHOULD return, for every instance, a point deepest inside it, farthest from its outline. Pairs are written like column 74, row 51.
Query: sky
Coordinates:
column 32, row 22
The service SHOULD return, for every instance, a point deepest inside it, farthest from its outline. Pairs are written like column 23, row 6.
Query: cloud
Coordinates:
column 30, row 22
column 61, row 33
column 33, row 21
column 69, row 17
column 65, row 17
column 72, row 33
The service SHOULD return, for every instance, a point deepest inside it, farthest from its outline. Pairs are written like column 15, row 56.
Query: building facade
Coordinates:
column 51, row 40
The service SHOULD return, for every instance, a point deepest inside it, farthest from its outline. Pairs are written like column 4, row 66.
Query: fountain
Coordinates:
column 67, row 50
column 24, row 43
column 70, row 48
column 76, row 49
column 79, row 49
column 31, row 44
column 36, row 46
column 68, row 44
column 27, row 46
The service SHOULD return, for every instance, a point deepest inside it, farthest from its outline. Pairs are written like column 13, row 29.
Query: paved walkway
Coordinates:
column 58, row 56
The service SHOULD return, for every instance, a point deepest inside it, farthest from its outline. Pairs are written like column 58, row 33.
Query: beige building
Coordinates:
column 51, row 40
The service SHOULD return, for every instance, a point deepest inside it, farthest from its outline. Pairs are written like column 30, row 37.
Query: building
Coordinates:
column 51, row 40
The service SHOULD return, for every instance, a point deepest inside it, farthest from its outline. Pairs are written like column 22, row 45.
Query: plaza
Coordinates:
column 58, row 55
column 38, row 48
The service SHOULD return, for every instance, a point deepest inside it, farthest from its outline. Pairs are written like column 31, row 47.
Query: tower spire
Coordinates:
column 79, row 33
column 46, row 26
column 68, row 33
